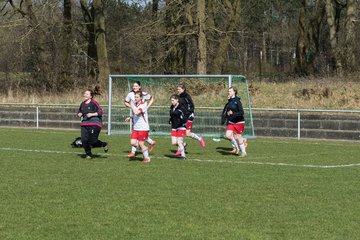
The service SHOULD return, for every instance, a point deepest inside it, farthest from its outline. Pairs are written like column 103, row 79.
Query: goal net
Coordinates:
column 209, row 94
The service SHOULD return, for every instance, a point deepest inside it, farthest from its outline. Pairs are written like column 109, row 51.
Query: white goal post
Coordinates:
column 207, row 117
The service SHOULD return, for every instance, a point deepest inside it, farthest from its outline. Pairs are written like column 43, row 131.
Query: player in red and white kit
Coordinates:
column 146, row 97
column 141, row 127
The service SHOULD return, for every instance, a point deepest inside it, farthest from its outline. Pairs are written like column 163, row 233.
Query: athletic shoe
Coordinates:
column 131, row 154
column 183, row 158
column 234, row 150
column 88, row 157
column 243, row 154
column 178, row 153
column 202, row 142
column 245, row 142
column 151, row 147
column 106, row 147
column 146, row 160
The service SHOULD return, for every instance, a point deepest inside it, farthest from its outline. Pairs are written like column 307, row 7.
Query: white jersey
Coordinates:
column 140, row 121
column 131, row 97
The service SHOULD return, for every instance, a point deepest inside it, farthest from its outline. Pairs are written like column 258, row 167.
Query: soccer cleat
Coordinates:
column 243, row 154
column 106, row 147
column 151, row 147
column 131, row 154
column 178, row 153
column 183, row 158
column 146, row 160
column 88, row 157
column 234, row 150
column 202, row 142
column 245, row 142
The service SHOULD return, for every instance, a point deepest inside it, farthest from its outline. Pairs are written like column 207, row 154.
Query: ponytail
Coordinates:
column 94, row 92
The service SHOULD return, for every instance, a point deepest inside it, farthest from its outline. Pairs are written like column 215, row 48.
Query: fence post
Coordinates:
column 37, row 117
column 109, row 105
column 298, row 135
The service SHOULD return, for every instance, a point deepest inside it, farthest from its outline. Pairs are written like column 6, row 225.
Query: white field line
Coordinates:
column 312, row 142
column 247, row 160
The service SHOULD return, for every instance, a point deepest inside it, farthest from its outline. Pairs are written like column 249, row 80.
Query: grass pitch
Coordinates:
column 284, row 189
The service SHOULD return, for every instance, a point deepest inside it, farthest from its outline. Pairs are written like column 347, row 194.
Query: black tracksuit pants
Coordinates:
column 89, row 138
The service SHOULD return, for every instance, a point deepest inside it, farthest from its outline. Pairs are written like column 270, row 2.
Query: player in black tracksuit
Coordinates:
column 233, row 116
column 178, row 125
column 91, row 122
column 187, row 103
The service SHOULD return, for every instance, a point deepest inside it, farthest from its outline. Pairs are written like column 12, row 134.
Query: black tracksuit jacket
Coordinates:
column 177, row 117
column 187, row 103
column 234, row 104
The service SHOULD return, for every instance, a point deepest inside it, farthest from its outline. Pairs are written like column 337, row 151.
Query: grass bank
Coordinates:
column 329, row 93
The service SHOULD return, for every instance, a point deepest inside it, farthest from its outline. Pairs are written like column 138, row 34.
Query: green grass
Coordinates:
column 54, row 193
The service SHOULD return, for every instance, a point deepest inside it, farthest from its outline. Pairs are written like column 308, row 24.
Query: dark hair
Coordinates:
column 139, row 93
column 235, row 90
column 138, row 83
column 175, row 96
column 95, row 91
column 182, row 85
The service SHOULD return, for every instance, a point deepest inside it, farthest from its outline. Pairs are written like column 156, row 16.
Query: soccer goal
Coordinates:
column 209, row 93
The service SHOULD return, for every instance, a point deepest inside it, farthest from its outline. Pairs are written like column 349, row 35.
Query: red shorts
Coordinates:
column 139, row 135
column 188, row 125
column 178, row 133
column 237, row 128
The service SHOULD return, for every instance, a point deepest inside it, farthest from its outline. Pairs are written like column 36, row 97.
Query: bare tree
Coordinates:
column 309, row 31
column 154, row 40
column 333, row 9
column 201, row 53
column 40, row 66
column 97, row 50
column 233, row 12
column 178, row 20
column 101, row 49
column 350, row 40
column 67, row 51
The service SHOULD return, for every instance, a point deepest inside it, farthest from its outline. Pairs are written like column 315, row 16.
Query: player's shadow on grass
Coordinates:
column 137, row 158
column 171, row 156
column 174, row 151
column 94, row 156
column 224, row 150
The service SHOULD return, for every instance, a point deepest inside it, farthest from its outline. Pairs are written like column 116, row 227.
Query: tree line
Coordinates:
column 56, row 45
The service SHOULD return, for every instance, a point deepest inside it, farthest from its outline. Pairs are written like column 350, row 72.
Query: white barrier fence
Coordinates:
column 300, row 111
column 70, row 110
